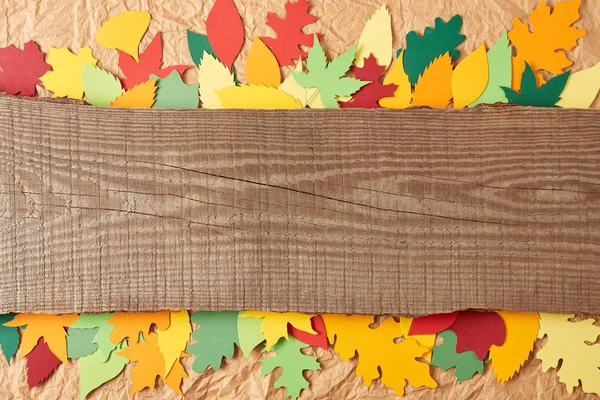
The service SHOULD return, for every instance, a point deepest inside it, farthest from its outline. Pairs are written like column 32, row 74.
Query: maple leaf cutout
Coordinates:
column 478, row 331
column 552, row 32
column 149, row 64
column 369, row 95
column 50, row 327
column 129, row 324
column 275, row 325
column 567, row 342
column 286, row 46
column 20, row 70
column 215, row 338
column 41, row 362
column 377, row 350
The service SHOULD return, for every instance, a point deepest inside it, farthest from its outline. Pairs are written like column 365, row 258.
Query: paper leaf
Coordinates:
column 420, row 52
column 369, row 95
column 212, row 77
column 432, row 323
column 581, row 89
column 139, row 71
column 521, row 332
column 140, row 96
column 318, row 340
column 546, row 95
column 500, row 71
column 20, row 70
column 66, row 66
column 376, row 39
column 286, row 46
column 95, row 370
column 261, row 66
column 275, row 325
column 403, row 94
column 328, row 78
column 256, row 97
column 50, row 327
column 102, row 338
column 197, row 45
column 465, row 364
column 434, row 88
column 249, row 334
column 567, row 342
column 172, row 92
column 470, row 78
column 477, row 331
column 552, row 32
column 216, row 337
column 128, row 325
column 9, row 337
column 80, row 342
column 291, row 87
column 100, row 86
column 424, row 340
column 225, row 31
column 150, row 363
column 292, row 363
column 174, row 340
column 41, row 362
column 376, row 350
column 124, row 32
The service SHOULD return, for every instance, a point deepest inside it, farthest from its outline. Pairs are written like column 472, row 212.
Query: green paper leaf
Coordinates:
column 172, row 92
column 328, row 78
column 249, row 334
column 545, row 96
column 216, row 336
column 197, row 45
column 100, row 86
column 500, row 66
column 292, row 362
column 102, row 338
column 9, row 337
column 80, row 342
column 420, row 51
column 94, row 370
column 445, row 357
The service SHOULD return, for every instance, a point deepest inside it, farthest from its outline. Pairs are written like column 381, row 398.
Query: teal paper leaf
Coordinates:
column 216, row 336
column 500, row 66
column 80, row 342
column 9, row 337
column 545, row 96
column 172, row 92
column 197, row 45
column 465, row 364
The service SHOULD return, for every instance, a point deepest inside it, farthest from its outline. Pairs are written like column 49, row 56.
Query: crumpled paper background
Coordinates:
column 73, row 23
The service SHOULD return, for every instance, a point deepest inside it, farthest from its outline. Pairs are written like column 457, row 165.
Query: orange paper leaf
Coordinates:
column 434, row 87
column 129, row 325
column 140, row 96
column 261, row 66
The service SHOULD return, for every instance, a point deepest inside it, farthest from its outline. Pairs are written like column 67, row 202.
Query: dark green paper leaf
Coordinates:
column 216, row 336
column 197, row 45
column 545, row 96
column 9, row 337
column 445, row 357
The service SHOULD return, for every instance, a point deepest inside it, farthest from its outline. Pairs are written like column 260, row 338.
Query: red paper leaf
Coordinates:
column 369, row 95
column 318, row 340
column 225, row 31
column 432, row 324
column 41, row 362
column 150, row 61
column 478, row 331
column 286, row 46
column 20, row 70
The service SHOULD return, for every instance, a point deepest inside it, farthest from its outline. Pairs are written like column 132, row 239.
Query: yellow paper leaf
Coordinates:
column 130, row 324
column 256, row 96
column 212, row 77
column 65, row 78
column 567, row 342
column 50, row 327
column 139, row 96
column 582, row 89
column 423, row 340
column 470, row 78
column 291, row 87
column 376, row 39
column 521, row 332
column 403, row 94
column 376, row 349
column 124, row 32
column 434, row 87
column 262, row 67
column 552, row 32
column 173, row 341
column 275, row 325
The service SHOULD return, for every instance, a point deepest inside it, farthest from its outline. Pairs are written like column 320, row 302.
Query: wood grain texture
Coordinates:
column 351, row 211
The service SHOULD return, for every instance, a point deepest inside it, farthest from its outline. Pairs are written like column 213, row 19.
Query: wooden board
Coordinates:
column 351, row 211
